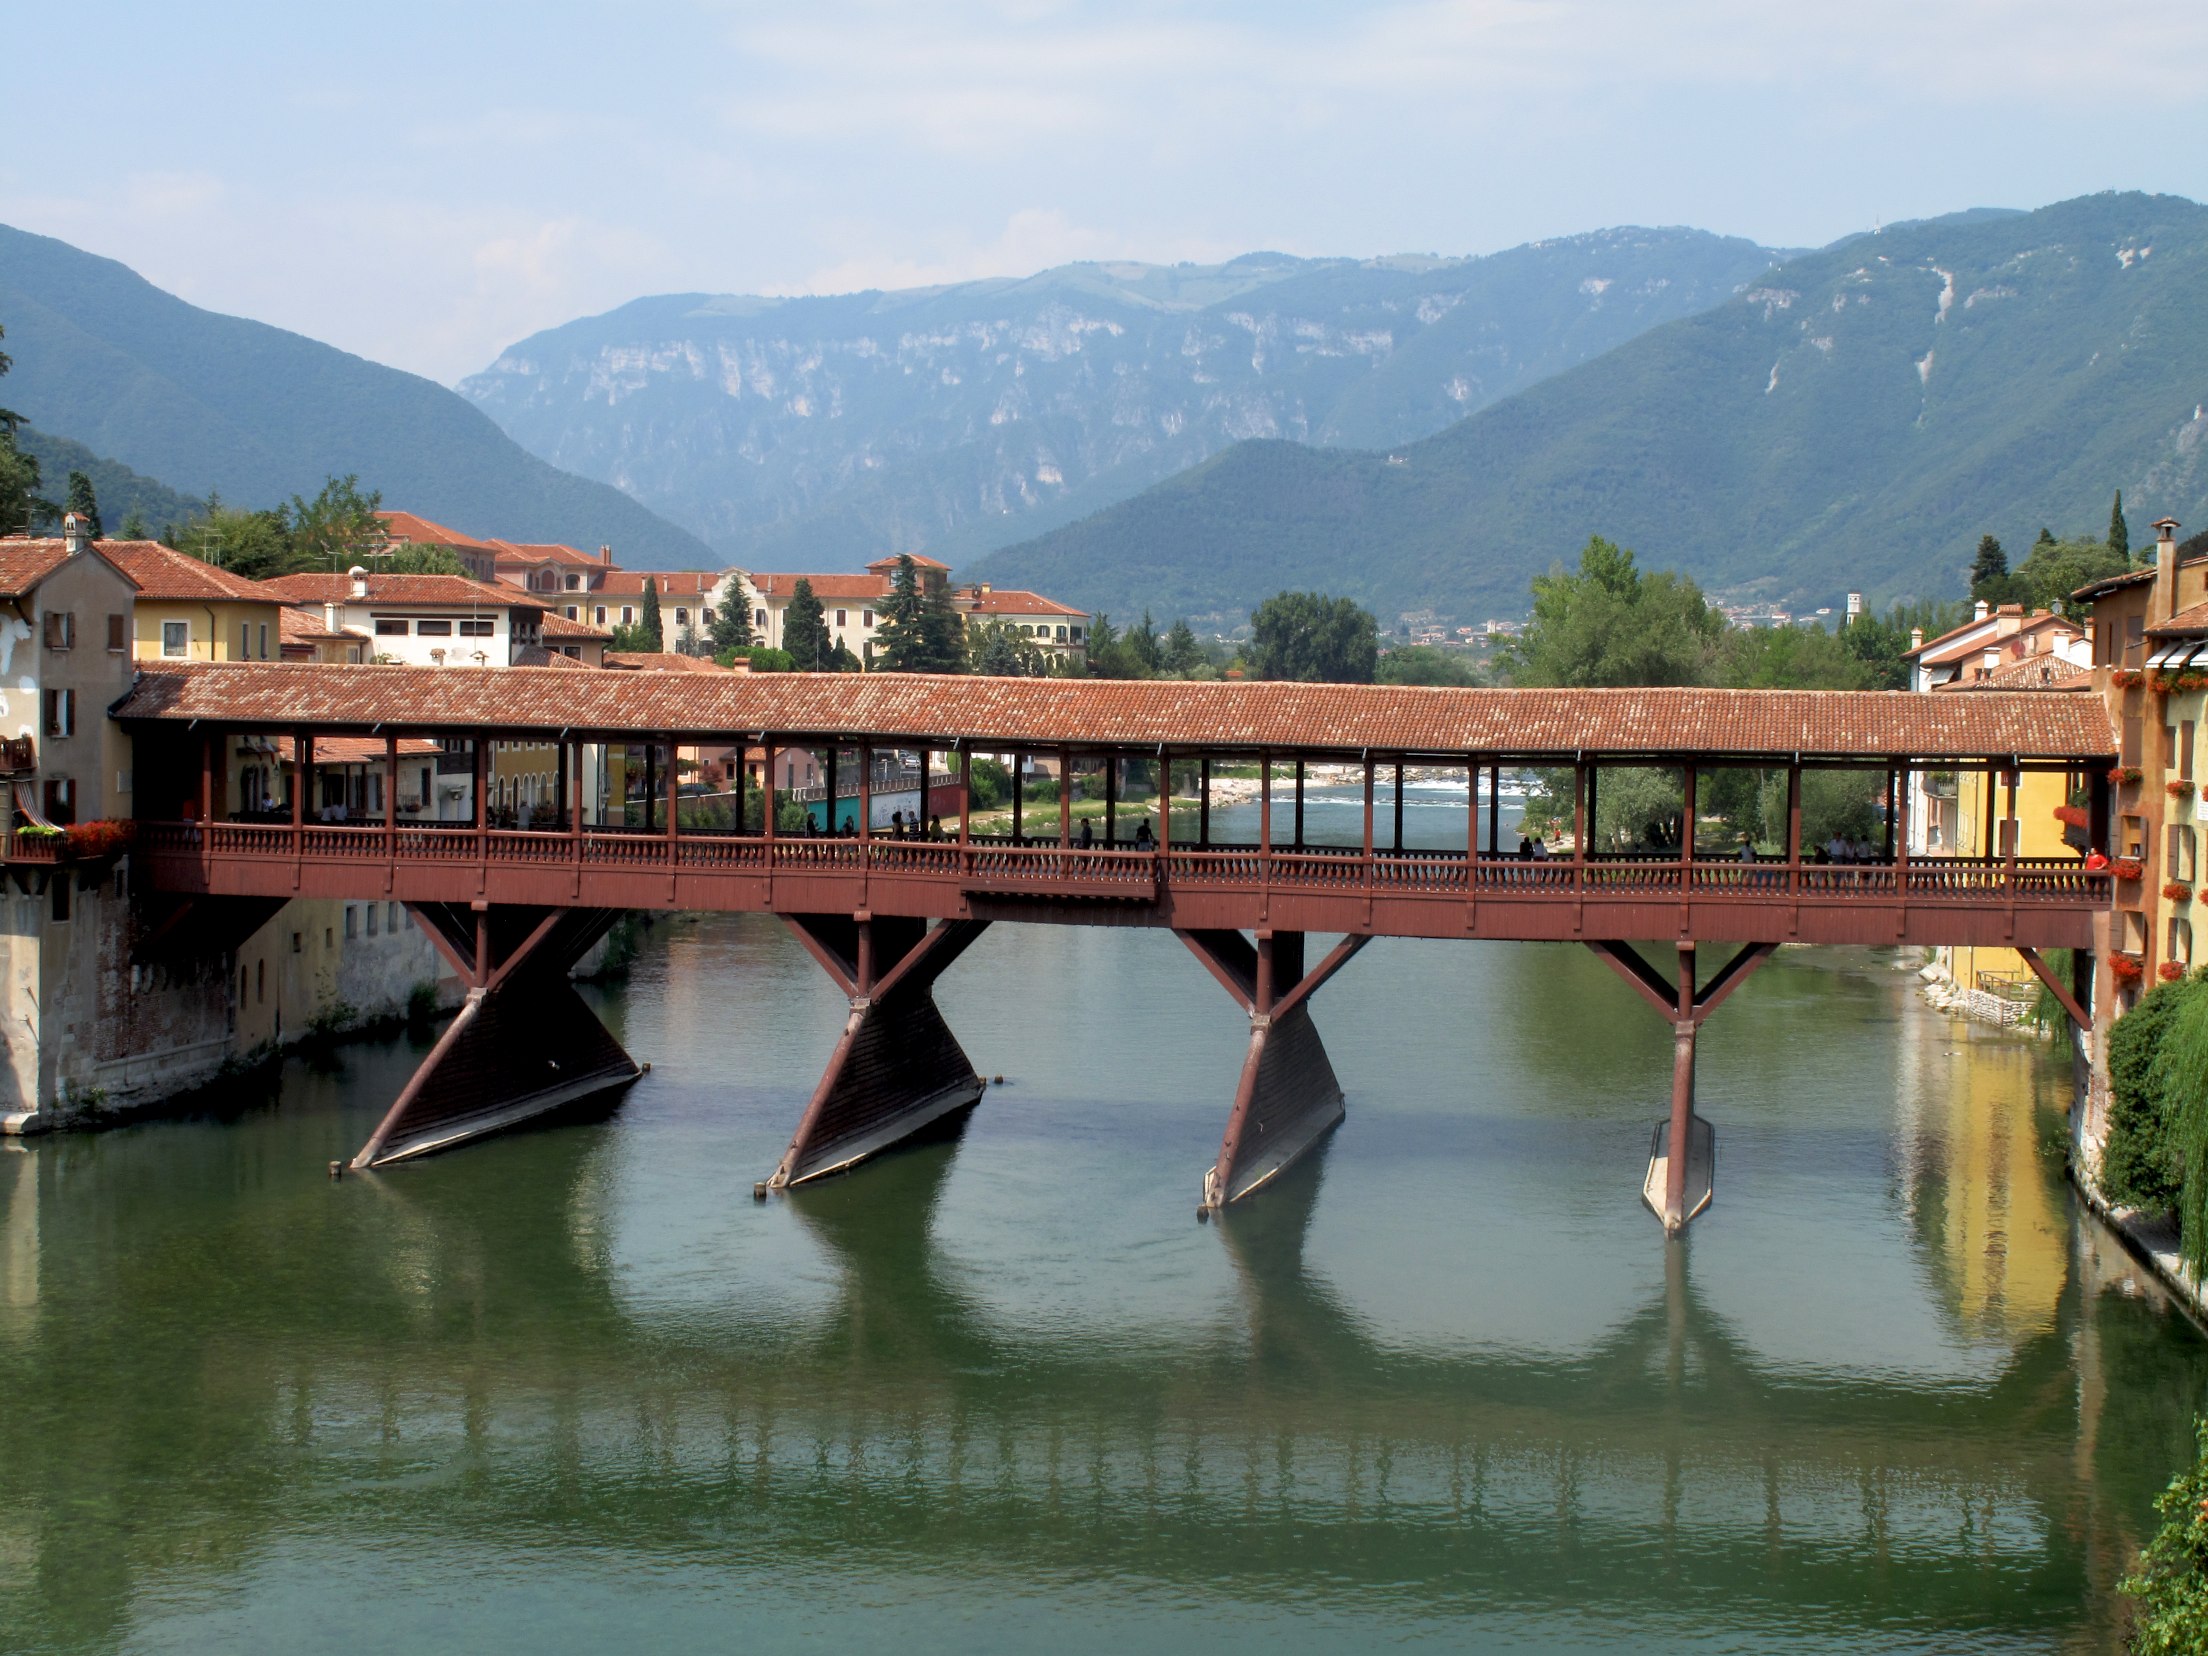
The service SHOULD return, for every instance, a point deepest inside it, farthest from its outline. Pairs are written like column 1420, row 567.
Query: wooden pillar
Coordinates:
column 209, row 746
column 674, row 793
column 302, row 772
column 2009, row 829
column 1165, row 800
column 1471, row 819
column 1399, row 806
column 1891, row 806
column 1579, row 813
column 651, row 788
column 1368, row 818
column 1203, row 803
column 1494, row 810
column 766, row 786
column 1299, row 805
column 1687, row 780
column 1018, row 761
column 1264, row 817
column 1594, row 808
column 1794, row 827
column 559, row 783
column 1987, row 845
column 965, row 800
column 391, row 792
column 828, row 776
column 1111, row 801
column 1901, row 828
column 866, row 790
column 575, row 796
column 1065, row 796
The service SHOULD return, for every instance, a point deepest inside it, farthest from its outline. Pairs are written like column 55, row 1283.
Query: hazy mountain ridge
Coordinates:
column 1856, row 417
column 954, row 418
column 212, row 403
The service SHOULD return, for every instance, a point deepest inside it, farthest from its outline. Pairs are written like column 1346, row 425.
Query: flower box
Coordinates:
column 2125, row 677
column 2126, row 868
column 93, row 841
column 2177, row 891
column 2125, row 776
column 2126, row 968
column 2169, row 971
column 2178, row 790
column 2073, row 816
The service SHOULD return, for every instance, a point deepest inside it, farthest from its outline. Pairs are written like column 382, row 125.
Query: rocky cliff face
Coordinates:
column 957, row 419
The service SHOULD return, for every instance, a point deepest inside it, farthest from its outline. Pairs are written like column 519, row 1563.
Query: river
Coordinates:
column 1445, row 1386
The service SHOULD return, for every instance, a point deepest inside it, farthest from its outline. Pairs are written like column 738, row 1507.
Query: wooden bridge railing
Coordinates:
column 1000, row 865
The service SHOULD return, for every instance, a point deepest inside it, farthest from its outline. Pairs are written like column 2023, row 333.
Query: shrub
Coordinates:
column 992, row 784
column 2170, row 1586
column 421, row 1003
column 2137, row 1168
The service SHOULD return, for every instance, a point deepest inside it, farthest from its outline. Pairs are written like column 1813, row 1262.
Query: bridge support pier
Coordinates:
column 898, row 1068
column 1289, row 1098
column 1679, row 1185
column 524, row 1043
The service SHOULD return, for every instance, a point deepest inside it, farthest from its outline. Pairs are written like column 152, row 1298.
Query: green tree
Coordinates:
column 805, row 630
column 942, row 631
column 2055, row 569
column 256, row 545
column 903, row 631
column 1311, row 638
column 1788, row 658
column 339, row 528
column 1424, row 664
column 1108, row 655
column 1990, row 564
column 841, row 660
column 20, row 505
column 85, row 504
column 731, row 628
column 1180, row 653
column 1143, row 646
column 2119, row 532
column 2170, row 1586
column 1000, row 651
column 653, row 630
column 1609, row 624
column 134, row 525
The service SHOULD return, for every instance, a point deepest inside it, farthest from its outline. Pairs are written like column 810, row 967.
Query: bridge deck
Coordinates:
column 2041, row 903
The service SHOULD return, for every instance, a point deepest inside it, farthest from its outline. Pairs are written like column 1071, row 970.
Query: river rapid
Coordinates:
column 1445, row 1386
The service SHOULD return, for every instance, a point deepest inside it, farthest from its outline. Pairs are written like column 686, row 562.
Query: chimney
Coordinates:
column 1916, row 638
column 1855, row 608
column 329, row 618
column 605, row 556
column 359, row 578
column 1980, row 610
column 73, row 537
column 2165, row 572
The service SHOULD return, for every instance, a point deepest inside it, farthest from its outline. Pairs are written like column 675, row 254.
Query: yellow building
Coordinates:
column 187, row 610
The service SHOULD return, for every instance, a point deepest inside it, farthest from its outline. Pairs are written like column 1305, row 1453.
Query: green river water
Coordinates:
column 1445, row 1387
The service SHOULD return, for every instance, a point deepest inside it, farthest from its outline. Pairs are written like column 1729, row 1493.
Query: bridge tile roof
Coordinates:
column 1332, row 718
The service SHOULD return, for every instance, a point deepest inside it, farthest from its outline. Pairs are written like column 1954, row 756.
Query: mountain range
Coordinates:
column 1856, row 417
column 210, row 403
column 820, row 432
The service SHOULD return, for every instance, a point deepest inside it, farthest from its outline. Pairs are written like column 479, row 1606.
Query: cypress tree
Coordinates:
column 805, row 629
column 903, row 629
column 1991, row 563
column 2119, row 532
column 85, row 505
column 654, row 637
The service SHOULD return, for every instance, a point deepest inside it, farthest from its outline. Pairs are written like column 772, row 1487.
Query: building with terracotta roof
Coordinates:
column 421, row 620
column 307, row 637
column 190, row 610
column 548, row 567
column 574, row 641
column 853, row 606
column 1994, row 636
column 477, row 556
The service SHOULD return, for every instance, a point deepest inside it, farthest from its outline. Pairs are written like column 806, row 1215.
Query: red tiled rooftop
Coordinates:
column 2044, row 671
column 401, row 592
column 672, row 583
column 888, row 565
column 847, row 587
column 24, row 563
column 1015, row 602
column 2192, row 619
column 164, row 574
column 663, row 661
column 407, row 526
column 307, row 626
column 556, row 625
column 540, row 552
column 1553, row 725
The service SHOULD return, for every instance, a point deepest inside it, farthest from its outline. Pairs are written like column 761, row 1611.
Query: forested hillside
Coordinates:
column 217, row 403
column 820, row 432
column 1857, row 418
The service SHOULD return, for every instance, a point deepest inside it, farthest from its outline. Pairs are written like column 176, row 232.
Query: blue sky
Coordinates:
column 425, row 184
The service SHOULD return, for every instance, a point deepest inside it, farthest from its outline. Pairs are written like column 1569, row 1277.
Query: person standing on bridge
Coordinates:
column 1144, row 839
column 1087, row 839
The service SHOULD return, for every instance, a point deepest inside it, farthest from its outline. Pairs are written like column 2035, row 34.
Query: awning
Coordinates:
column 2175, row 657
column 26, row 801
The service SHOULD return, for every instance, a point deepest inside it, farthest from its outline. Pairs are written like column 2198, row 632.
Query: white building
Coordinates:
column 422, row 620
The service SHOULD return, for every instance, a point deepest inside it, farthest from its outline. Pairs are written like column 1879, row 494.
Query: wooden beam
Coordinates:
column 1640, row 977
column 1730, row 976
column 2068, row 1001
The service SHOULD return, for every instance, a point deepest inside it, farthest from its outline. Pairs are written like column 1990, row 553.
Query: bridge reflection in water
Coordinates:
column 453, row 1371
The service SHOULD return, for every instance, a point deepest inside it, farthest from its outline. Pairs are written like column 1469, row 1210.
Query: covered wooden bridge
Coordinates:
column 885, row 916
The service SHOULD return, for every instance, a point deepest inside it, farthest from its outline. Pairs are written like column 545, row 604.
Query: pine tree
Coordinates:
column 655, row 636
column 942, row 631
column 731, row 629
column 134, row 525
column 2119, row 532
column 805, row 629
column 841, row 660
column 904, row 647
column 1180, row 652
column 1991, row 564
column 85, row 505
column 19, row 501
